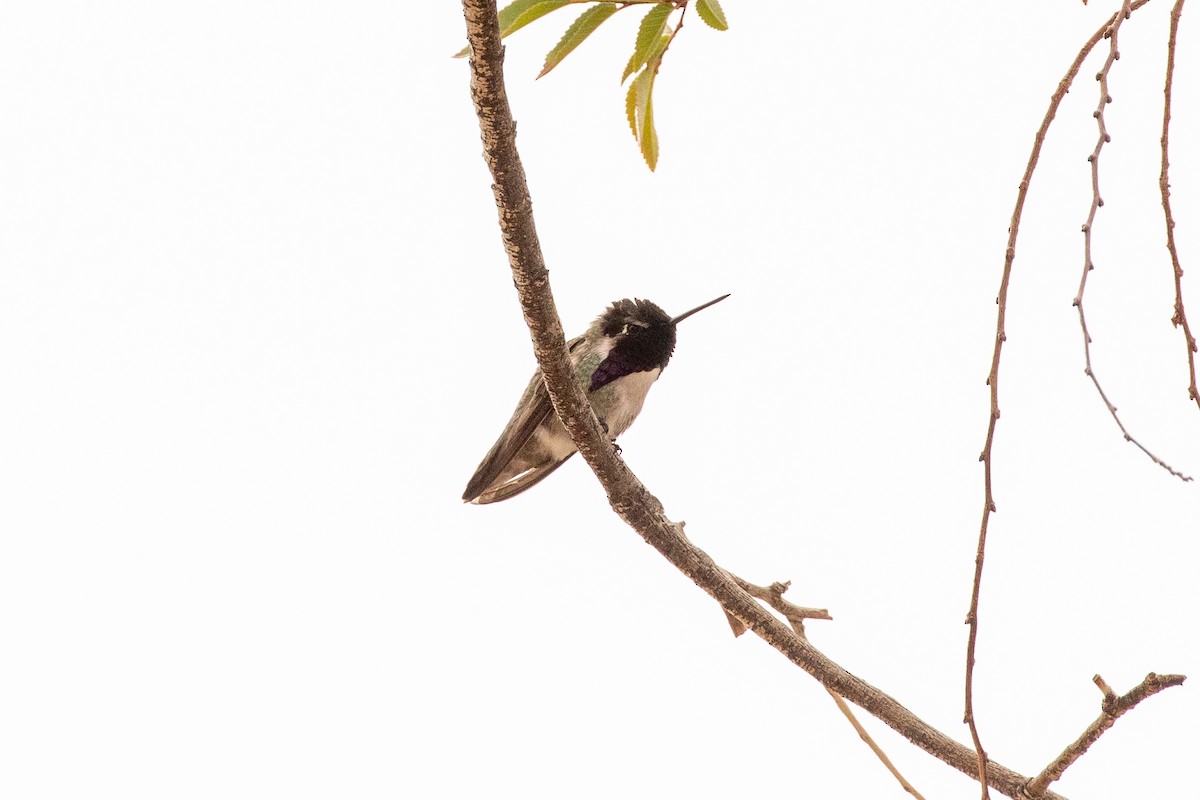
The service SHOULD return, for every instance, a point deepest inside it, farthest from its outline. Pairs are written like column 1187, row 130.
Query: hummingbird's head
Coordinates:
column 639, row 332
column 640, row 337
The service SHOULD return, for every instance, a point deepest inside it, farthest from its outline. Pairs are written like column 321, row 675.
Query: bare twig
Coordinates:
column 866, row 737
column 1088, row 265
column 1179, row 319
column 989, row 503
column 674, row 32
column 773, row 596
column 1111, row 707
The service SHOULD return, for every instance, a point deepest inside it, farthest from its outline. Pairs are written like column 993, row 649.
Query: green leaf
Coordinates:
column 656, row 52
column 534, row 12
column 713, row 15
column 649, row 134
column 639, row 109
column 639, row 102
column 510, row 12
column 518, row 14
column 580, row 29
column 648, row 35
column 631, row 107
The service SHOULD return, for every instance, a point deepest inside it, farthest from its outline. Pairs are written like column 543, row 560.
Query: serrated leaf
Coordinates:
column 639, row 102
column 584, row 26
column 649, row 32
column 510, row 12
column 518, row 14
column 533, row 13
column 713, row 15
column 631, row 107
column 649, row 135
column 656, row 52
column 639, row 109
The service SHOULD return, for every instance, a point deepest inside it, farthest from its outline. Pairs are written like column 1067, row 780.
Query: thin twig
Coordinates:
column 866, row 737
column 1102, row 139
column 989, row 503
column 1179, row 319
column 773, row 596
column 1111, row 708
column 674, row 32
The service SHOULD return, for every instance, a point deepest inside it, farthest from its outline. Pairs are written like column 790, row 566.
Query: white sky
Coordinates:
column 257, row 329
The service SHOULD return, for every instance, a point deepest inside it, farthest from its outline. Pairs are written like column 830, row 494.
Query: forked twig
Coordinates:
column 773, row 596
column 1111, row 708
column 989, row 503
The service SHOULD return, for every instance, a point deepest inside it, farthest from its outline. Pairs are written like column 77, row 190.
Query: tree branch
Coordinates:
column 1111, row 707
column 1102, row 139
column 993, row 380
column 627, row 495
column 1164, row 186
column 773, row 596
column 875, row 748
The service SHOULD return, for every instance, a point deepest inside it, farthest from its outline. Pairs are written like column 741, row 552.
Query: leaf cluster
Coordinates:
column 654, row 36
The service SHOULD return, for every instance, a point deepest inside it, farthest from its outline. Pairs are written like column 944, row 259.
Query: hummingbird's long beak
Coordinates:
column 687, row 314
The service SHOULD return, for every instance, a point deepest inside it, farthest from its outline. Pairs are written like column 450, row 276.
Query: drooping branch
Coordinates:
column 1102, row 139
column 628, row 497
column 1111, row 708
column 1179, row 319
column 993, row 380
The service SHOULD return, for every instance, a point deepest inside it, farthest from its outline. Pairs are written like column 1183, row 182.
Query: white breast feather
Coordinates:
column 629, row 393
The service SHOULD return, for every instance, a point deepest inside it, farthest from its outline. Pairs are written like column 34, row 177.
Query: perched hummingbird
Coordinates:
column 615, row 361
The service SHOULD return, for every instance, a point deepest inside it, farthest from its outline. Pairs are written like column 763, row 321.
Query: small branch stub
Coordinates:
column 773, row 596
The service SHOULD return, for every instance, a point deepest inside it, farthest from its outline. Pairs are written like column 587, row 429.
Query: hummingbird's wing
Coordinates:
column 532, row 410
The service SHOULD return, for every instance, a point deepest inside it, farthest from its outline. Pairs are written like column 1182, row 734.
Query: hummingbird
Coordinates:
column 615, row 362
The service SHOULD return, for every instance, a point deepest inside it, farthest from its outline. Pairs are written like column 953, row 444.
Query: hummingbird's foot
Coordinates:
column 616, row 448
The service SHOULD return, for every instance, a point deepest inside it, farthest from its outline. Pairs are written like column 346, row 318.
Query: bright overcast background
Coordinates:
column 257, row 329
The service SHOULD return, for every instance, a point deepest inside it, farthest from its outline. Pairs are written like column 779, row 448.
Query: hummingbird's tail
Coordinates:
column 506, row 486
